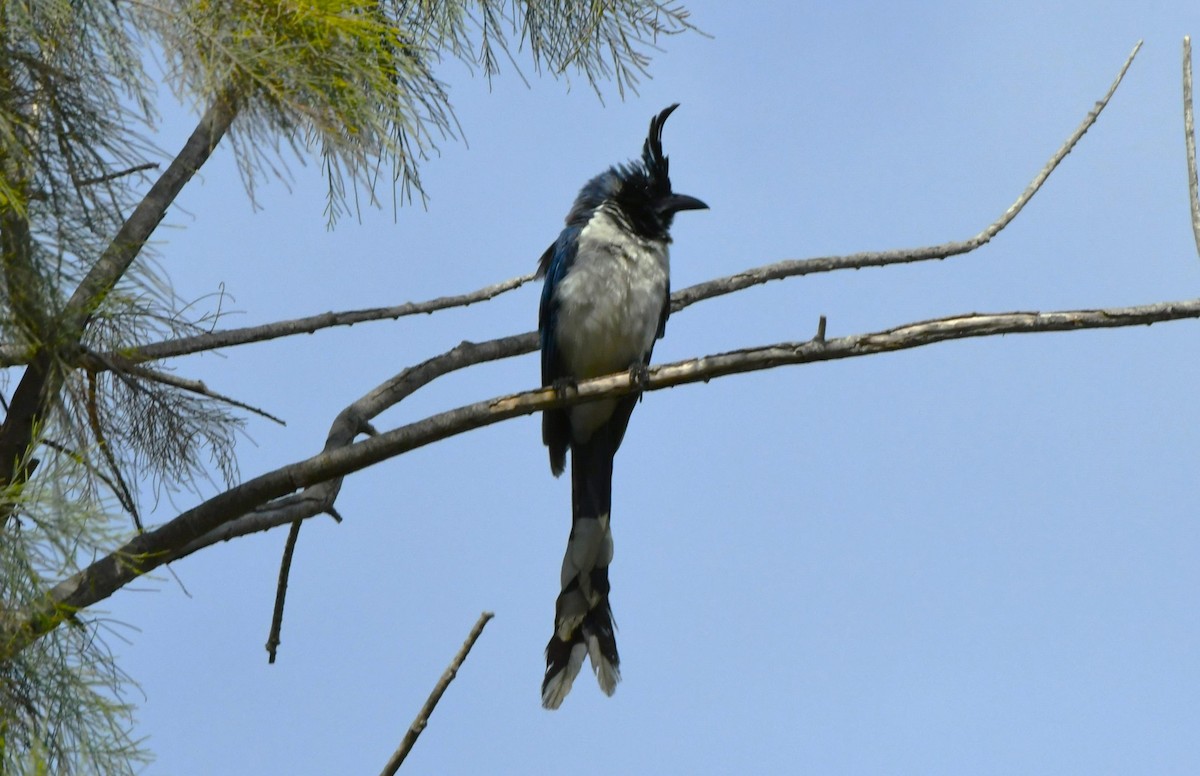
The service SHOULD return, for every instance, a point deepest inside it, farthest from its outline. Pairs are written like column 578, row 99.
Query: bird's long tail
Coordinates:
column 583, row 622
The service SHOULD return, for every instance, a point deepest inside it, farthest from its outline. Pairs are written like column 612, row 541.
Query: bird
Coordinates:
column 605, row 301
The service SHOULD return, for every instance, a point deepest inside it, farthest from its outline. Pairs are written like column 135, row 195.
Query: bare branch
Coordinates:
column 182, row 535
column 1189, row 134
column 285, row 569
column 145, row 218
column 418, row 725
column 16, row 355
column 314, row 500
column 231, row 337
column 355, row 420
column 795, row 268
column 197, row 387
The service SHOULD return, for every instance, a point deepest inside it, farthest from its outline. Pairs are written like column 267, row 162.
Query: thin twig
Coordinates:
column 198, row 387
column 86, row 463
column 285, row 568
column 1189, row 135
column 418, row 725
column 118, row 366
column 124, row 496
column 799, row 267
column 118, row 174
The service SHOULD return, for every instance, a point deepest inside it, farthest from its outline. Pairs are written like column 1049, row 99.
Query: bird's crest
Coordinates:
column 639, row 192
column 653, row 159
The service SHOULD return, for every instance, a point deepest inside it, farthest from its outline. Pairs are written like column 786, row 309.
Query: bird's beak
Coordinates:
column 676, row 202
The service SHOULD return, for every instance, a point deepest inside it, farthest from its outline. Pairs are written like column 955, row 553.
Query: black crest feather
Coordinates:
column 652, row 154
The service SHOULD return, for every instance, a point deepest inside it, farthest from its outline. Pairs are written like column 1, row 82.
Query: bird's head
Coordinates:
column 641, row 190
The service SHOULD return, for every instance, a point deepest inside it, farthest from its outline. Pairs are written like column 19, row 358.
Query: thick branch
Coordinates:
column 136, row 230
column 40, row 385
column 179, row 536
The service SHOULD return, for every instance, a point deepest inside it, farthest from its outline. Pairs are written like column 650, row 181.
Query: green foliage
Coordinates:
column 354, row 79
column 61, row 706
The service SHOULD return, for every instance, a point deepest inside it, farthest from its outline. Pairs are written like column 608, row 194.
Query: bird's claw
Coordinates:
column 564, row 385
column 640, row 375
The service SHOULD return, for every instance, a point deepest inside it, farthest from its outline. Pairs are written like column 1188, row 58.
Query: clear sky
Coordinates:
column 979, row 557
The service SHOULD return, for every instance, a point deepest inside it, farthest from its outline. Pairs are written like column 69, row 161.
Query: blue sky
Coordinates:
column 977, row 557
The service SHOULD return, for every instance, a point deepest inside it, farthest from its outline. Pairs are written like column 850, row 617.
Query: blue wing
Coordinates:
column 554, row 264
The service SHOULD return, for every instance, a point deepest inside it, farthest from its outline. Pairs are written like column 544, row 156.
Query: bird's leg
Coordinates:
column 639, row 374
column 564, row 385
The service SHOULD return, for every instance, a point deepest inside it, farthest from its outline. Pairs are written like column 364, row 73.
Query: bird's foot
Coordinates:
column 563, row 386
column 639, row 374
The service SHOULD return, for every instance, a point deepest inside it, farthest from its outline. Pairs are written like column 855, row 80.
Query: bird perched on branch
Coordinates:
column 605, row 301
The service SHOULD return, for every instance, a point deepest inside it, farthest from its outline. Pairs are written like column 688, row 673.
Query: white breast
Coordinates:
column 609, row 306
column 610, row 302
